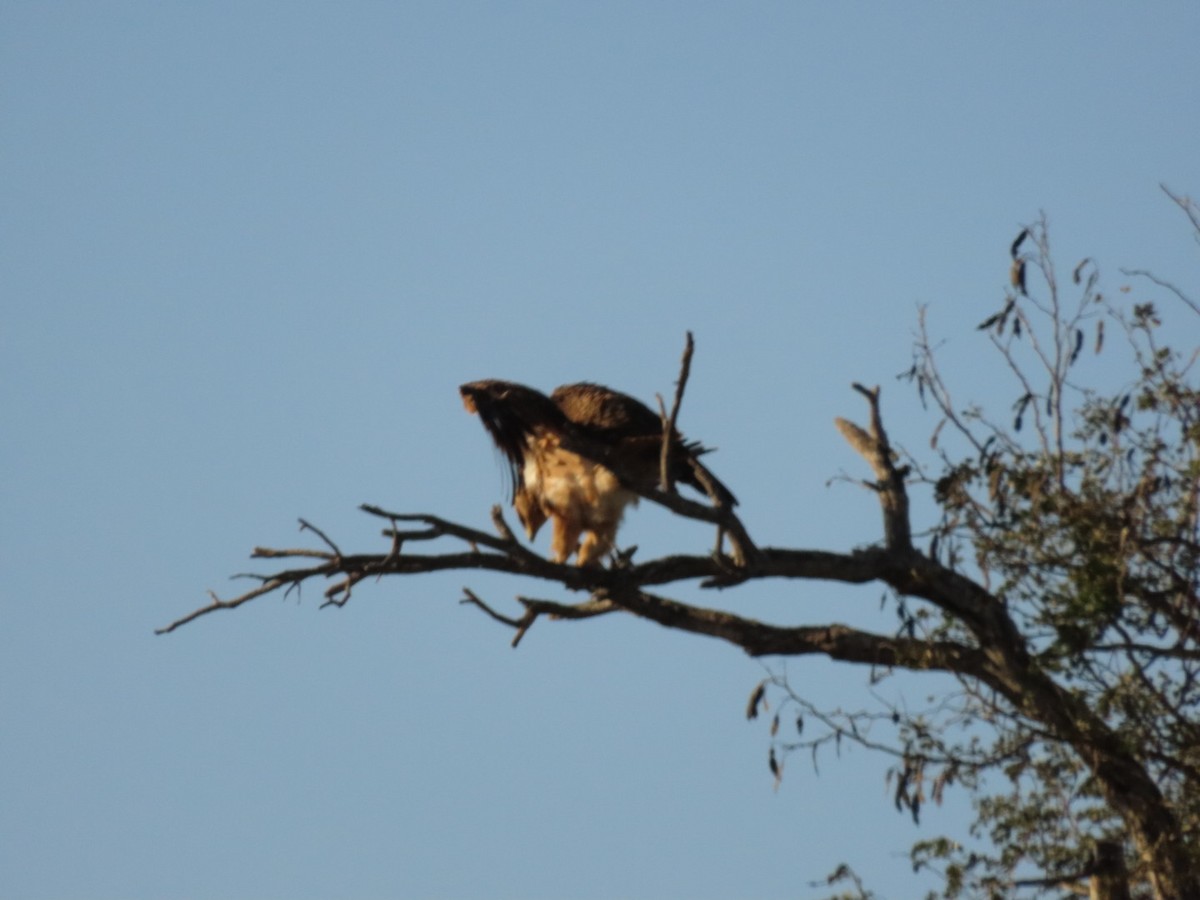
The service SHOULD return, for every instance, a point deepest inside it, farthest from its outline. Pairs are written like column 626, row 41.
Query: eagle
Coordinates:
column 584, row 498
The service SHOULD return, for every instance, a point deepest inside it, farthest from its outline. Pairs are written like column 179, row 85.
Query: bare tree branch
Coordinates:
column 980, row 639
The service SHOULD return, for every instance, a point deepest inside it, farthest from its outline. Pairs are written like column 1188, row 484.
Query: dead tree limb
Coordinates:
column 991, row 650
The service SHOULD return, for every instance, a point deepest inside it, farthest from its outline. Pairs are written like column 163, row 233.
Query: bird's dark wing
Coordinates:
column 606, row 412
column 625, row 422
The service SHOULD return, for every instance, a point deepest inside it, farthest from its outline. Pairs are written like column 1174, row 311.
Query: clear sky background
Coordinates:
column 249, row 250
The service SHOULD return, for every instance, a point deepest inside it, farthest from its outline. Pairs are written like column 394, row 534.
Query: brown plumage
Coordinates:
column 584, row 498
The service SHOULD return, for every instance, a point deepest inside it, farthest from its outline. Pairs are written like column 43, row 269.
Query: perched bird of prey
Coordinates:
column 584, row 498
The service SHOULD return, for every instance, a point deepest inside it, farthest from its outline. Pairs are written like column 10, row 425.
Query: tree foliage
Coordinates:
column 1058, row 584
column 1079, row 514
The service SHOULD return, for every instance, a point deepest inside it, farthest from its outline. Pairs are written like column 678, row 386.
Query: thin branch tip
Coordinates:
column 871, row 394
column 670, row 420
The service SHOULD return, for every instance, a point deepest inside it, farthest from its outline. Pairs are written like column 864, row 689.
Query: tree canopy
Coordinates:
column 1058, row 584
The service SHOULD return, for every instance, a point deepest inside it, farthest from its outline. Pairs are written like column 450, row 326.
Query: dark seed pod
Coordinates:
column 1016, row 245
column 756, row 697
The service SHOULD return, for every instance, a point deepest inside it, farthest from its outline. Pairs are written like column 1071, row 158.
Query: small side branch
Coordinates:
column 685, row 368
column 469, row 596
column 742, row 546
column 269, row 584
column 535, row 608
column 439, row 527
column 308, row 526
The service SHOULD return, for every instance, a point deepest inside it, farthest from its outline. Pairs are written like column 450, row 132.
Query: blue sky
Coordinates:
column 249, row 250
